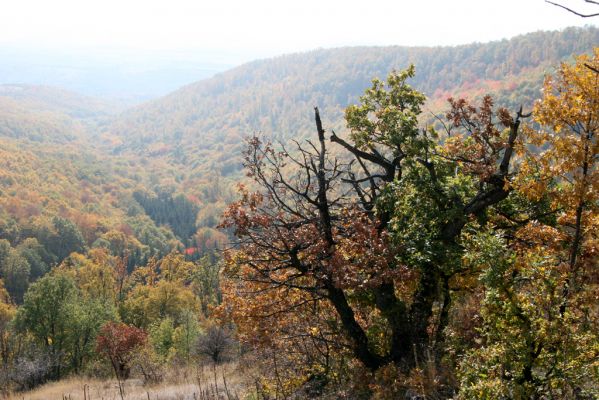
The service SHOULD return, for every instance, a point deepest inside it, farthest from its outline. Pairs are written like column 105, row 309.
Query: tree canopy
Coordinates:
column 371, row 252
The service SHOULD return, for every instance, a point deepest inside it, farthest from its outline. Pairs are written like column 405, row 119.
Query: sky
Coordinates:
column 258, row 28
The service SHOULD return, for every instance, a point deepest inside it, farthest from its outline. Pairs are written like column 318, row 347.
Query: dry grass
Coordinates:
column 180, row 384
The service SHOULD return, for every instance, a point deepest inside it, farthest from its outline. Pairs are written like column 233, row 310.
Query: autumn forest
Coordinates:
column 349, row 223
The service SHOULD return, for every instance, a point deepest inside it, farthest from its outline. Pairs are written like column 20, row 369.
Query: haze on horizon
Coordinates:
column 99, row 48
column 270, row 27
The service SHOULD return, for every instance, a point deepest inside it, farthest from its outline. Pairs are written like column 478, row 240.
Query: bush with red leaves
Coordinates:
column 117, row 341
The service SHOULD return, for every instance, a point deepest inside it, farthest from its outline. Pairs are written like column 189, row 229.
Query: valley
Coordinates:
column 114, row 212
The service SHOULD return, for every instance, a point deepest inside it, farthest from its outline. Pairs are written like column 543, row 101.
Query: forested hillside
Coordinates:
column 203, row 123
column 48, row 114
column 52, row 99
column 162, row 173
column 65, row 198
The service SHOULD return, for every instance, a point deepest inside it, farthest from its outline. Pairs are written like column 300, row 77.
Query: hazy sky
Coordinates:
column 268, row 27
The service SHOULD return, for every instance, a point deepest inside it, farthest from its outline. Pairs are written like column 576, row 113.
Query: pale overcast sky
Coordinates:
column 269, row 27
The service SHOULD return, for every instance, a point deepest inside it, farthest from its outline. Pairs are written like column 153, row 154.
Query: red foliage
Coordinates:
column 190, row 251
column 478, row 145
column 118, row 341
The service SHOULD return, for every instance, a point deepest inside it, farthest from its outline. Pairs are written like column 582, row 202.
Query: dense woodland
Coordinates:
column 390, row 243
column 276, row 96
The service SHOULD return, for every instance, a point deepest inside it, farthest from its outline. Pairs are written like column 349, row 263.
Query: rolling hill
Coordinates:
column 49, row 114
column 202, row 125
column 143, row 174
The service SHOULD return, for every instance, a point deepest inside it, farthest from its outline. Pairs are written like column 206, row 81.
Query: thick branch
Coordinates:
column 373, row 158
column 334, row 294
column 352, row 328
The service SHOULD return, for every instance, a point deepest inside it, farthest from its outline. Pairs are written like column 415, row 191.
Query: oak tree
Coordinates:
column 357, row 250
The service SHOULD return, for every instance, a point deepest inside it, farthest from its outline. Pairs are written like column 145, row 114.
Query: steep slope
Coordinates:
column 201, row 125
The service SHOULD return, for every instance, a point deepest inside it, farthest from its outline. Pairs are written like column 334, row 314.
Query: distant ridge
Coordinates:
column 203, row 123
column 45, row 113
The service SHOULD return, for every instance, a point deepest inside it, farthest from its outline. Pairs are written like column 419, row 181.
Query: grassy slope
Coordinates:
column 179, row 384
